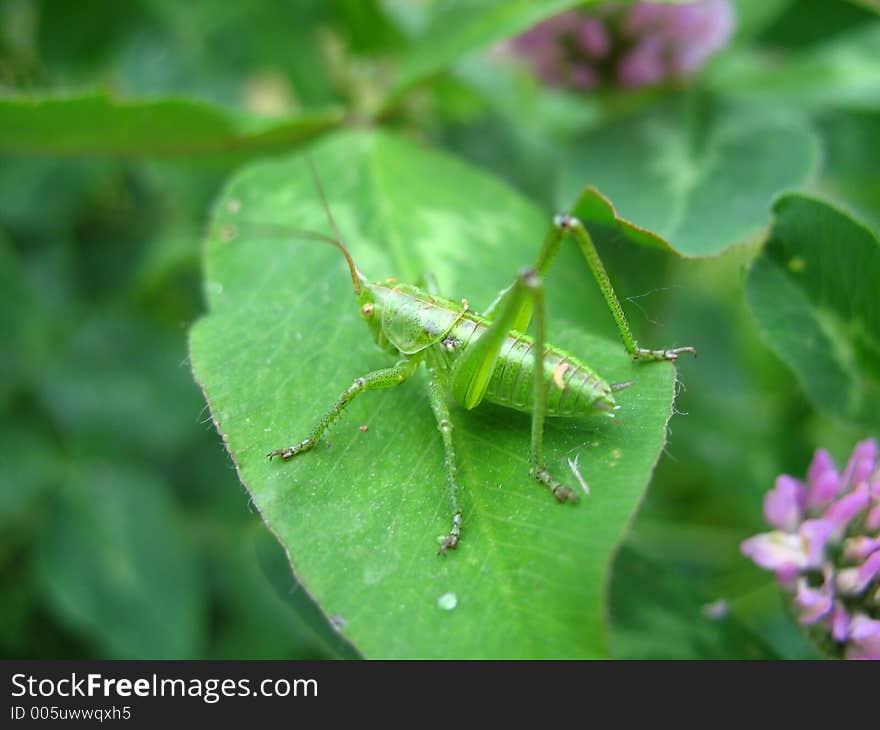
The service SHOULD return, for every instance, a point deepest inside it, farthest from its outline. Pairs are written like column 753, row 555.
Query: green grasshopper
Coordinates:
column 482, row 357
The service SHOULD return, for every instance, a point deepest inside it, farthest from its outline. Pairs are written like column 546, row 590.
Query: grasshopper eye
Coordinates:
column 367, row 310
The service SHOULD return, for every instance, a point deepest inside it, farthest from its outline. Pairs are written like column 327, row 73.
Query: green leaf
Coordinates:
column 657, row 613
column 813, row 290
column 762, row 610
column 806, row 23
column 116, row 567
column 843, row 72
column 360, row 514
column 599, row 215
column 701, row 178
column 101, row 124
column 457, row 28
column 23, row 325
column 121, row 383
column 29, row 469
column 752, row 18
column 684, row 589
column 851, row 157
column 268, row 616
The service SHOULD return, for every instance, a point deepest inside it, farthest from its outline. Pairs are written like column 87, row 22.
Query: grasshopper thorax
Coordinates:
column 405, row 318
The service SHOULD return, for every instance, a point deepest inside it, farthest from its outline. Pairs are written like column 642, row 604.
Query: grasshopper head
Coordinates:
column 371, row 311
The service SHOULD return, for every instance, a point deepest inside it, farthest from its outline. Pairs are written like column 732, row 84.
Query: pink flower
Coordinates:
column 864, row 648
column 583, row 78
column 859, row 548
column 652, row 43
column 863, row 627
column 826, row 548
column 843, row 510
column 839, row 623
column 862, row 462
column 814, row 535
column 824, row 480
column 852, row 581
column 815, row 603
column 643, row 65
column 776, row 551
column 593, row 38
column 784, row 504
column 872, row 521
column 642, row 17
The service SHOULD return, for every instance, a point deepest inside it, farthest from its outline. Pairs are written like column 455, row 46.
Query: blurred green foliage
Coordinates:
column 125, row 530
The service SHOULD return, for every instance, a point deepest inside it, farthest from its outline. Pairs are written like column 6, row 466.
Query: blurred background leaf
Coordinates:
column 843, row 70
column 813, row 290
column 22, row 325
column 851, row 157
column 98, row 124
column 675, row 619
column 705, row 172
column 116, row 565
column 449, row 31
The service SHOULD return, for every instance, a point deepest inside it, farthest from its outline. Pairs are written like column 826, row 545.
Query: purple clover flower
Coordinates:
column 628, row 45
column 825, row 549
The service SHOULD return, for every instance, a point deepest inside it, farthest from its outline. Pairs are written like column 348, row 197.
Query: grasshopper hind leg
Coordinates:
column 437, row 392
column 574, row 227
column 473, row 370
column 531, row 280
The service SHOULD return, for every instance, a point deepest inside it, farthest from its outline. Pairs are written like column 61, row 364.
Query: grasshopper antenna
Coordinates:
column 356, row 276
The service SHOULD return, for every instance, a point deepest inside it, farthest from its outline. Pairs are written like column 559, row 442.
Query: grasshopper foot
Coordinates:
column 560, row 491
column 450, row 542
column 291, row 451
column 670, row 355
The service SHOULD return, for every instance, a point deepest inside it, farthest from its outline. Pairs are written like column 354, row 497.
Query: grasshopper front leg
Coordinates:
column 376, row 380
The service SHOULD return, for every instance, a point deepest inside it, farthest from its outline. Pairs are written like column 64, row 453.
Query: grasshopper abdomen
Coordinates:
column 572, row 388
